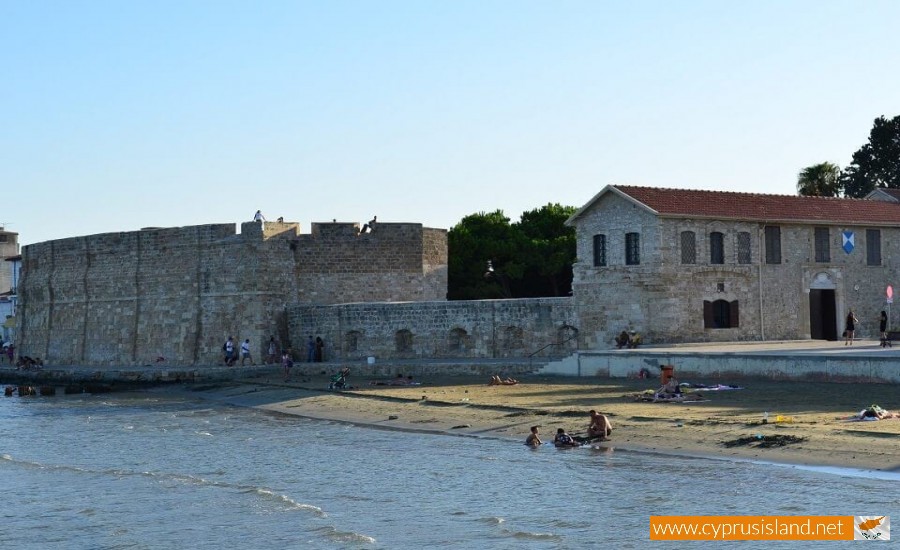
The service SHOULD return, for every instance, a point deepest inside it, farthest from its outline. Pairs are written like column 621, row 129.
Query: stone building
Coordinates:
column 687, row 265
column 9, row 247
column 9, row 271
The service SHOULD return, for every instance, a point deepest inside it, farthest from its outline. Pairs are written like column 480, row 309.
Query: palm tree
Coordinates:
column 819, row 180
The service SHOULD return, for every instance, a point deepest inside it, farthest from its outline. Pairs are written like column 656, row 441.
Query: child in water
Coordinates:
column 533, row 440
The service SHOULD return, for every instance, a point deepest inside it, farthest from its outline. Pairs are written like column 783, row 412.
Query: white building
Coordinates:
column 9, row 278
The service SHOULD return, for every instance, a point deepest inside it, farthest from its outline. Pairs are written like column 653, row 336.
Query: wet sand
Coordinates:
column 817, row 412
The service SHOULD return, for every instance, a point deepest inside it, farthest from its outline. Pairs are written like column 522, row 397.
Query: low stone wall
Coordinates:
column 472, row 329
column 724, row 367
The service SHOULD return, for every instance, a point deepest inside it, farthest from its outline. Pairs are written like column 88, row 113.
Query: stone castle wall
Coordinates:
column 457, row 329
column 178, row 293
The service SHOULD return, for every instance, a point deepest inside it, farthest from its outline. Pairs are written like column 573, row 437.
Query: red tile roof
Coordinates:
column 759, row 207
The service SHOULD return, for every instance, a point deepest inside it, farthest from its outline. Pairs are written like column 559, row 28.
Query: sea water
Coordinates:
column 148, row 470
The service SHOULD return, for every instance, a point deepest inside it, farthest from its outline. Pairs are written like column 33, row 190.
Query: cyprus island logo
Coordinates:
column 871, row 527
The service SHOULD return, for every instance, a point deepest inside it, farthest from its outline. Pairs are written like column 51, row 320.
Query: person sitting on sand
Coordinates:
column 670, row 390
column 400, row 381
column 599, row 427
column 497, row 381
column 533, row 439
column 563, row 439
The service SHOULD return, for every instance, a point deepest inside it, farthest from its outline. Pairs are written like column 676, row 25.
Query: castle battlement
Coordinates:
column 131, row 297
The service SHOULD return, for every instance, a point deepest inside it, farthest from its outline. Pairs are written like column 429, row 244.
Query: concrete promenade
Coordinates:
column 864, row 361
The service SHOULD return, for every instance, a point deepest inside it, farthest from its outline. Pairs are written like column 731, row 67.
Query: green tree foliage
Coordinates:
column 820, row 180
column 549, row 250
column 877, row 163
column 530, row 258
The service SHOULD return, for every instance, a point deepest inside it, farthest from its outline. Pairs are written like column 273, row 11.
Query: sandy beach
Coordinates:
column 814, row 415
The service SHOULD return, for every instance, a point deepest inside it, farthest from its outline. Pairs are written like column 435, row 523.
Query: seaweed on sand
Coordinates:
column 764, row 441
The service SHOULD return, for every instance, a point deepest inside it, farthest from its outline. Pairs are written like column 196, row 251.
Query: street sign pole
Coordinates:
column 890, row 300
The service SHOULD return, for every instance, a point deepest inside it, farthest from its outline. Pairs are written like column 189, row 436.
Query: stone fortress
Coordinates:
column 675, row 265
column 173, row 296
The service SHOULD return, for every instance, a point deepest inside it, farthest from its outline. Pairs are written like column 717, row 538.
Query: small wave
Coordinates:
column 493, row 520
column 207, row 434
column 345, row 536
column 525, row 535
column 181, row 478
column 289, row 501
column 563, row 524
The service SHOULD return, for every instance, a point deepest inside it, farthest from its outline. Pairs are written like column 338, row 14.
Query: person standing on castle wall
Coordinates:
column 258, row 217
column 271, row 351
column 310, row 350
column 320, row 349
column 229, row 351
column 245, row 352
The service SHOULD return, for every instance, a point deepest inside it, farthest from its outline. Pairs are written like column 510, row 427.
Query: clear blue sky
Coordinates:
column 116, row 115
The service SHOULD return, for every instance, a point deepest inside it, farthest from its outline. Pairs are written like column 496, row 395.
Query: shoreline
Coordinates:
column 464, row 406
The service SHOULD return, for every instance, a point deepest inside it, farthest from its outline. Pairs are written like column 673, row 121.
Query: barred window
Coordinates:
column 773, row 244
column 823, row 244
column 716, row 248
column 873, row 247
column 632, row 249
column 743, row 246
column 599, row 250
column 688, row 247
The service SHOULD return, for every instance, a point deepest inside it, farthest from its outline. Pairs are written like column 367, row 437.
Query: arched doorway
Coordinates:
column 822, row 308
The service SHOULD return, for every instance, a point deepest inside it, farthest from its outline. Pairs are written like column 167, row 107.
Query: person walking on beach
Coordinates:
column 850, row 328
column 245, row 352
column 228, row 348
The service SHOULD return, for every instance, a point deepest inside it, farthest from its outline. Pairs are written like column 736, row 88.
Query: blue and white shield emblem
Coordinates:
column 848, row 241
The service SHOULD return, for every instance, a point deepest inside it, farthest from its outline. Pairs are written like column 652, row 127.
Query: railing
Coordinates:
column 550, row 345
